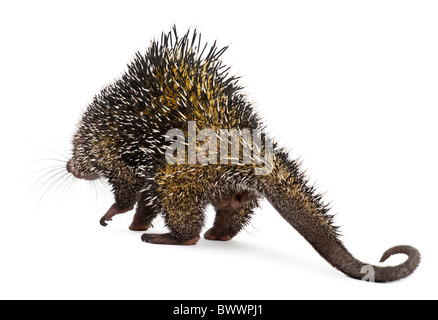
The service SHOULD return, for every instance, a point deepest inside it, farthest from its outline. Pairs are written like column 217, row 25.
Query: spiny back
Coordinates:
column 178, row 80
column 175, row 81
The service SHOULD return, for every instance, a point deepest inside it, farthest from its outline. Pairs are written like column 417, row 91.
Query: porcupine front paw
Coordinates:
column 112, row 211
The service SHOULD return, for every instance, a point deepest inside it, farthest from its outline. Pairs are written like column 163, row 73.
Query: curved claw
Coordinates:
column 112, row 211
column 103, row 221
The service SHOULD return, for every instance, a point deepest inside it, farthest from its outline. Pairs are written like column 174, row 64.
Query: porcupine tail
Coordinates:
column 287, row 190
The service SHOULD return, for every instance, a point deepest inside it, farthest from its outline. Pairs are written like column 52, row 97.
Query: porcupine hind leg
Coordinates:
column 185, row 226
column 232, row 215
column 144, row 215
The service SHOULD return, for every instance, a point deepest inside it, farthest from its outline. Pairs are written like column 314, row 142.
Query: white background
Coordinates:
column 348, row 86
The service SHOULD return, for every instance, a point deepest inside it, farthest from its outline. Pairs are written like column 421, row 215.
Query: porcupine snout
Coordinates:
column 71, row 168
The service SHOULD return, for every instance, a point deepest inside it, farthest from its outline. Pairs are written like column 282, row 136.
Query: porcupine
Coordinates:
column 122, row 138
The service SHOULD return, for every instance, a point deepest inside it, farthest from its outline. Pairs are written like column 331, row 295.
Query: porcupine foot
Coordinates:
column 183, row 231
column 166, row 238
column 214, row 234
column 140, row 226
column 114, row 210
column 232, row 214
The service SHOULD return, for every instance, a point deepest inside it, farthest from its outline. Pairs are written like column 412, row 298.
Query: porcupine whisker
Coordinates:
column 56, row 188
column 43, row 160
column 40, row 174
column 59, row 175
column 95, row 186
column 47, row 169
column 53, row 181
column 101, row 185
column 50, row 172
column 98, row 186
column 43, row 185
column 61, row 155
column 64, row 155
column 67, row 183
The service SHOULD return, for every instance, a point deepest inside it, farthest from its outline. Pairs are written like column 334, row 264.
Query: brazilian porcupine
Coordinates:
column 180, row 85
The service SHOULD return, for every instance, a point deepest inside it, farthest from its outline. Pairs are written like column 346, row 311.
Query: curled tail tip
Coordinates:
column 394, row 273
column 412, row 253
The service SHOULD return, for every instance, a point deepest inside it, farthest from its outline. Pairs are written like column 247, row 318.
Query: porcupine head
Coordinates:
column 175, row 133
